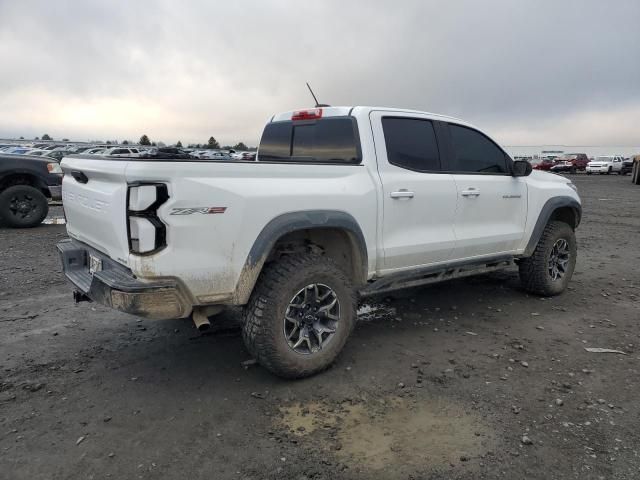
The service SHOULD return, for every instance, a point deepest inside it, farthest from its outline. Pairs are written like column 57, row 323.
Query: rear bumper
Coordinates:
column 115, row 286
column 56, row 192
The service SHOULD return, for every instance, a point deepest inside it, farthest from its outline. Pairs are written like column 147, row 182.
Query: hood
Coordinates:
column 548, row 177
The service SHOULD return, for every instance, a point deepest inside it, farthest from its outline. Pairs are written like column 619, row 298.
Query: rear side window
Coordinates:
column 327, row 140
column 475, row 153
column 411, row 143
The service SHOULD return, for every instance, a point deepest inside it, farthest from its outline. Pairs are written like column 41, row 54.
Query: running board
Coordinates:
column 435, row 274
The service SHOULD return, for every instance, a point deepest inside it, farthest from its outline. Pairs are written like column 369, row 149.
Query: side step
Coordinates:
column 435, row 274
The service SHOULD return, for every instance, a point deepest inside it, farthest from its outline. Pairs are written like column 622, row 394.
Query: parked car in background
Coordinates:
column 26, row 185
column 164, row 152
column 57, row 154
column 544, row 164
column 94, row 151
column 121, row 152
column 571, row 163
column 605, row 164
column 627, row 166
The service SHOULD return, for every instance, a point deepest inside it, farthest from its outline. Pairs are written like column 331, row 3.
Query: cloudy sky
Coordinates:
column 543, row 72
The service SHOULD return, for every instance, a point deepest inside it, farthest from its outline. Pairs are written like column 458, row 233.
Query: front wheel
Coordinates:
column 547, row 272
column 609, row 171
column 22, row 206
column 300, row 315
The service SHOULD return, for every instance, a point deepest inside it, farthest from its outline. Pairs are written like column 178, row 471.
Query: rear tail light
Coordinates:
column 147, row 234
column 311, row 114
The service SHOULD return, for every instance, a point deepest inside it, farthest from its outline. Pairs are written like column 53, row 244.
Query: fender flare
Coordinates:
column 546, row 212
column 288, row 223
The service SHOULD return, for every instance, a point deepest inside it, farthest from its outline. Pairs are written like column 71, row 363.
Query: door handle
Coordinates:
column 470, row 192
column 401, row 194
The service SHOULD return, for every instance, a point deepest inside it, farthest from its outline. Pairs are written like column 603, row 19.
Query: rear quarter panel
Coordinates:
column 208, row 251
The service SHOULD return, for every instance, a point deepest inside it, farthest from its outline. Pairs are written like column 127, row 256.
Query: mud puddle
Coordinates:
column 392, row 433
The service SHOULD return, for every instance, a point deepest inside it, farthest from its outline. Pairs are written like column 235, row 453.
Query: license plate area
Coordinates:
column 95, row 264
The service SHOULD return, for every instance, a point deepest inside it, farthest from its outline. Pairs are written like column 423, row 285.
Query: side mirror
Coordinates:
column 521, row 168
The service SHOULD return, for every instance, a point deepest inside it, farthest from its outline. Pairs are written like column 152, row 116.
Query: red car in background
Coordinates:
column 571, row 162
column 544, row 164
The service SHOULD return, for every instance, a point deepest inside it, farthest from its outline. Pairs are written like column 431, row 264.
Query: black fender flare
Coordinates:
column 288, row 223
column 546, row 212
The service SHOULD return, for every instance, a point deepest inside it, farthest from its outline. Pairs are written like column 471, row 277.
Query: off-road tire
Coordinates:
column 263, row 331
column 534, row 271
column 40, row 206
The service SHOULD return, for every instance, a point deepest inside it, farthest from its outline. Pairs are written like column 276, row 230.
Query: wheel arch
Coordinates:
column 332, row 229
column 565, row 209
column 24, row 178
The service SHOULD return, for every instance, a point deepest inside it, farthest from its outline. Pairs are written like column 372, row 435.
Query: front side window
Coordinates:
column 475, row 153
column 411, row 143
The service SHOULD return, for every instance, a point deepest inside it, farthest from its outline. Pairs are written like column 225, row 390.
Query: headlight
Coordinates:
column 54, row 167
column 571, row 185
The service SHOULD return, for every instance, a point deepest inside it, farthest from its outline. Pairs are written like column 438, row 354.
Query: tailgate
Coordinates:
column 94, row 195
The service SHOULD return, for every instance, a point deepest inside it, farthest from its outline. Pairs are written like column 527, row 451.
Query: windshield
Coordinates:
column 603, row 159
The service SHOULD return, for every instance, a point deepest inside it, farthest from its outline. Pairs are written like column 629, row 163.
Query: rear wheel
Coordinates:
column 572, row 170
column 300, row 315
column 22, row 206
column 548, row 271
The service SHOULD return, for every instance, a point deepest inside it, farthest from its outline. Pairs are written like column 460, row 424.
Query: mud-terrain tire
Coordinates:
column 281, row 287
column 22, row 206
column 536, row 272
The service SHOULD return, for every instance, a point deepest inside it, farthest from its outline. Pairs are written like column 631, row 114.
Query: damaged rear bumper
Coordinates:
column 117, row 287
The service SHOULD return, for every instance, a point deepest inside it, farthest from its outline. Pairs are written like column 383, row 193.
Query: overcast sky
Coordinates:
column 527, row 72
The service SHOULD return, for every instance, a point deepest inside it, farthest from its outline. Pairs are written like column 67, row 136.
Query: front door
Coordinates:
column 491, row 204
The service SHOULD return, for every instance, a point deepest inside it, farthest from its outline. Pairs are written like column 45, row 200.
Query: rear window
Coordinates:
column 328, row 140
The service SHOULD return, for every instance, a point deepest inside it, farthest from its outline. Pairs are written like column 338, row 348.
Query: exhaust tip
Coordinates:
column 200, row 320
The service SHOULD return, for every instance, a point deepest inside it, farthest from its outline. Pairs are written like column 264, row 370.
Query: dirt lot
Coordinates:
column 469, row 379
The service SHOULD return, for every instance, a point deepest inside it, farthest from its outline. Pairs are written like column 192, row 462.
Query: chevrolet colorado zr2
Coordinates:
column 341, row 203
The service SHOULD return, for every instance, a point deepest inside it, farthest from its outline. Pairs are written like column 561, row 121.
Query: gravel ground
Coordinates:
column 468, row 379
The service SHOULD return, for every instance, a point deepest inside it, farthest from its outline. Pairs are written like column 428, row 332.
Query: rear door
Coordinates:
column 94, row 194
column 419, row 200
column 491, row 204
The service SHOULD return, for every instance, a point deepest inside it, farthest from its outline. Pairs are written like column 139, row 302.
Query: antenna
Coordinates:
column 315, row 99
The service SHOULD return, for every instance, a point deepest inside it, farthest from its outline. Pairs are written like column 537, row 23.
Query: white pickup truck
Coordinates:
column 606, row 164
column 342, row 202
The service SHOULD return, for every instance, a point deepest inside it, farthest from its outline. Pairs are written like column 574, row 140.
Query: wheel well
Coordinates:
column 567, row 215
column 337, row 243
column 23, row 179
